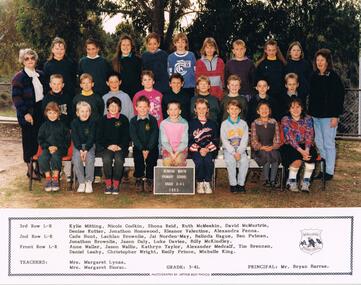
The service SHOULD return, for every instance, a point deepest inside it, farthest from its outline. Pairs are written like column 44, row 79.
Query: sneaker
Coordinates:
column 233, row 189
column 88, row 187
column 115, row 191
column 47, row 185
column 292, row 185
column 81, row 188
column 200, row 188
column 241, row 189
column 139, row 185
column 148, row 185
column 55, row 185
column 97, row 179
column 207, row 188
column 108, row 190
column 305, row 185
column 267, row 184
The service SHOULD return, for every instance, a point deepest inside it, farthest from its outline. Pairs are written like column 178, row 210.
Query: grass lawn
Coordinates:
column 343, row 191
column 8, row 112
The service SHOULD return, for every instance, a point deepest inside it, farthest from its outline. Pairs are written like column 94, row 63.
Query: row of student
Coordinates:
column 271, row 66
column 199, row 138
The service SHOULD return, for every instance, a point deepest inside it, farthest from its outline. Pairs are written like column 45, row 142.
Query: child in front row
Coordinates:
column 174, row 136
column 113, row 142
column 265, row 141
column 144, row 133
column 83, row 129
column 299, row 145
column 234, row 135
column 153, row 95
column 202, row 142
column 53, row 137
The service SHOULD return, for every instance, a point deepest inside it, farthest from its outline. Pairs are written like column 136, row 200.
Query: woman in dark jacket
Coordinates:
column 27, row 96
column 326, row 106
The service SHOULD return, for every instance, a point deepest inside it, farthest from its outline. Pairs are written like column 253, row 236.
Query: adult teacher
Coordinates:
column 27, row 96
column 326, row 106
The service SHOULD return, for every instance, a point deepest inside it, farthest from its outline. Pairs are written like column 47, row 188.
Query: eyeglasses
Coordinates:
column 29, row 58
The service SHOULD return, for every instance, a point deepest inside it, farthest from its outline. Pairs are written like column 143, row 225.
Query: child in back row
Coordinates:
column 203, row 142
column 95, row 65
column 113, row 142
column 114, row 82
column 53, row 137
column 202, row 91
column 174, row 136
column 156, row 60
column 87, row 95
column 242, row 66
column 183, row 62
column 144, row 133
column 83, row 130
column 234, row 86
column 153, row 95
column 265, row 141
column 177, row 93
column 212, row 66
column 234, row 136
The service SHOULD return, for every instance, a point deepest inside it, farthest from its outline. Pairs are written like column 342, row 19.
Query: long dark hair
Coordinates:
column 279, row 54
column 118, row 53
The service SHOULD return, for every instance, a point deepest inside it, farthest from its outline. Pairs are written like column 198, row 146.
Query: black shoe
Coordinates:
column 318, row 176
column 148, row 185
column 139, row 185
column 233, row 189
column 241, row 189
column 267, row 183
column 328, row 177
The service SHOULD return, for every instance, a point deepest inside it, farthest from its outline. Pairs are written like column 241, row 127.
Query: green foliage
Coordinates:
column 10, row 40
column 333, row 24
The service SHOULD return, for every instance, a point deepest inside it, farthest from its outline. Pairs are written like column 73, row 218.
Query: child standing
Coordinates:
column 242, row 66
column 296, row 63
column 174, row 136
column 114, row 81
column 156, row 60
column 95, row 65
column 262, row 89
column 144, row 133
column 153, row 95
column 128, row 64
column 234, row 136
column 234, row 86
column 265, row 141
column 291, row 83
column 183, row 62
column 53, row 138
column 271, row 67
column 87, row 95
column 59, row 63
column 212, row 66
column 83, row 137
column 202, row 91
column 202, row 142
column 57, row 95
column 177, row 93
column 113, row 142
column 299, row 145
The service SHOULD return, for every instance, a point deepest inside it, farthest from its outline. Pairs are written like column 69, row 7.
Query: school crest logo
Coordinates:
column 117, row 124
column 147, row 127
column 311, row 241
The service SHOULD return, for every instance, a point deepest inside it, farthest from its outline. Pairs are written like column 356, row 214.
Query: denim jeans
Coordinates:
column 325, row 142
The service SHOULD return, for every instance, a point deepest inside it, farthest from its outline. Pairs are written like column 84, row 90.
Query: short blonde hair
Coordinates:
column 238, row 43
column 181, row 36
column 234, row 77
column 291, row 76
column 85, row 76
column 209, row 41
column 56, row 76
column 82, row 104
column 27, row 51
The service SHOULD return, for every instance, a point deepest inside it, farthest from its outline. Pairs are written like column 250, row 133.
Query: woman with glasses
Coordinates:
column 27, row 96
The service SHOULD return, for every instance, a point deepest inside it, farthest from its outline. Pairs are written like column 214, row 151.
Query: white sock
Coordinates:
column 293, row 173
column 309, row 167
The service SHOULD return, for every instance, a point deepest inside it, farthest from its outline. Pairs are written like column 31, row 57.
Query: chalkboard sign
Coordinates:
column 174, row 180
